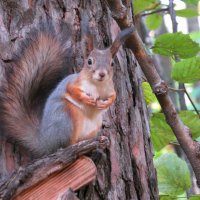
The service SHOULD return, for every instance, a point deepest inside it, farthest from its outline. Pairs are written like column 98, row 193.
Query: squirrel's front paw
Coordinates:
column 87, row 99
column 102, row 104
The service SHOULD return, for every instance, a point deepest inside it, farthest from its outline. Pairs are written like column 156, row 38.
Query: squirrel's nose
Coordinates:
column 102, row 74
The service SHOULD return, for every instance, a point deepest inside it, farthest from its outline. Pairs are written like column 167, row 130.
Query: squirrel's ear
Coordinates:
column 87, row 37
column 121, row 37
column 87, row 45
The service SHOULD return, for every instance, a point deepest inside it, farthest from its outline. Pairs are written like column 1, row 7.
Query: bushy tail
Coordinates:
column 36, row 71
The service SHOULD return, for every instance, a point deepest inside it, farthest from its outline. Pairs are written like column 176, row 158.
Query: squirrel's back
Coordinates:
column 56, row 125
column 35, row 73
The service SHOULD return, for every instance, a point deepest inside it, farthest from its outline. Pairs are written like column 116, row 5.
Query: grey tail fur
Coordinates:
column 36, row 71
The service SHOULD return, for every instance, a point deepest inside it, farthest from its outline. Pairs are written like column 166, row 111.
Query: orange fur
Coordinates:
column 76, row 93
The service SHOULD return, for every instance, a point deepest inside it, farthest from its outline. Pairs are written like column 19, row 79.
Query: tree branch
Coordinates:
column 182, row 133
column 185, row 91
column 155, row 11
column 195, row 108
column 176, row 90
column 26, row 177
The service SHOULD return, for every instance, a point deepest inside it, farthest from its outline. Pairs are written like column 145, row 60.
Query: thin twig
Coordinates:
column 190, row 99
column 176, row 90
column 195, row 108
column 155, row 11
column 175, row 143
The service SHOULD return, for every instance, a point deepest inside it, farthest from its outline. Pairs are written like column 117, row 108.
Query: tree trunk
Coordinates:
column 125, row 170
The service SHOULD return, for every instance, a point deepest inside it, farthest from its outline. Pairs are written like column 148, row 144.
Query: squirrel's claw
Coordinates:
column 103, row 104
column 86, row 99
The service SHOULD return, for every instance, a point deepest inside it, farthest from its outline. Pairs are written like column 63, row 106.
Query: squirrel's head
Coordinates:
column 99, row 63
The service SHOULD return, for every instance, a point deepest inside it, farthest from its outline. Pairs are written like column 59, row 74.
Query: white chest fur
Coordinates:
column 91, row 125
column 92, row 119
column 90, row 89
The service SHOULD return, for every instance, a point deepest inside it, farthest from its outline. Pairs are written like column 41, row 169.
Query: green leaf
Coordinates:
column 173, row 174
column 149, row 96
column 153, row 21
column 191, row 120
column 170, row 44
column 167, row 197
column 187, row 71
column 191, row 2
column 198, row 139
column 161, row 133
column 140, row 6
column 188, row 12
column 195, row 36
column 195, row 197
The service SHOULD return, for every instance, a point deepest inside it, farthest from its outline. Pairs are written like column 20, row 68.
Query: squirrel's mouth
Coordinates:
column 101, row 79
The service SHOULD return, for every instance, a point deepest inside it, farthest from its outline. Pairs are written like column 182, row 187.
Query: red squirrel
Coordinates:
column 73, row 111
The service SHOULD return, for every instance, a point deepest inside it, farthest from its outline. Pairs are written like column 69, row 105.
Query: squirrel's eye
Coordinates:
column 89, row 61
column 112, row 63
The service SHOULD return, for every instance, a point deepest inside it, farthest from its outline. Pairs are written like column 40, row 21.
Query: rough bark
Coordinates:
column 68, row 195
column 125, row 170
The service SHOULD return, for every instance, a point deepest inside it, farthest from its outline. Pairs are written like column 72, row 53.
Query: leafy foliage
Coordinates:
column 195, row 36
column 195, row 197
column 188, row 12
column 153, row 21
column 170, row 44
column 149, row 96
column 167, row 197
column 140, row 6
column 192, row 2
column 173, row 174
column 161, row 133
column 191, row 119
column 187, row 71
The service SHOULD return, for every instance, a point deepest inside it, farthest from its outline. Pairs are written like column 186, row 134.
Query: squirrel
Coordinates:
column 72, row 111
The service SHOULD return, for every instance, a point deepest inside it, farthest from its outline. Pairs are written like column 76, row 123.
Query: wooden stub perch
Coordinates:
column 78, row 174
column 55, row 167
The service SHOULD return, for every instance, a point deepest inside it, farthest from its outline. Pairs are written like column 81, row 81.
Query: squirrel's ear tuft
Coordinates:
column 120, row 39
column 86, row 36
